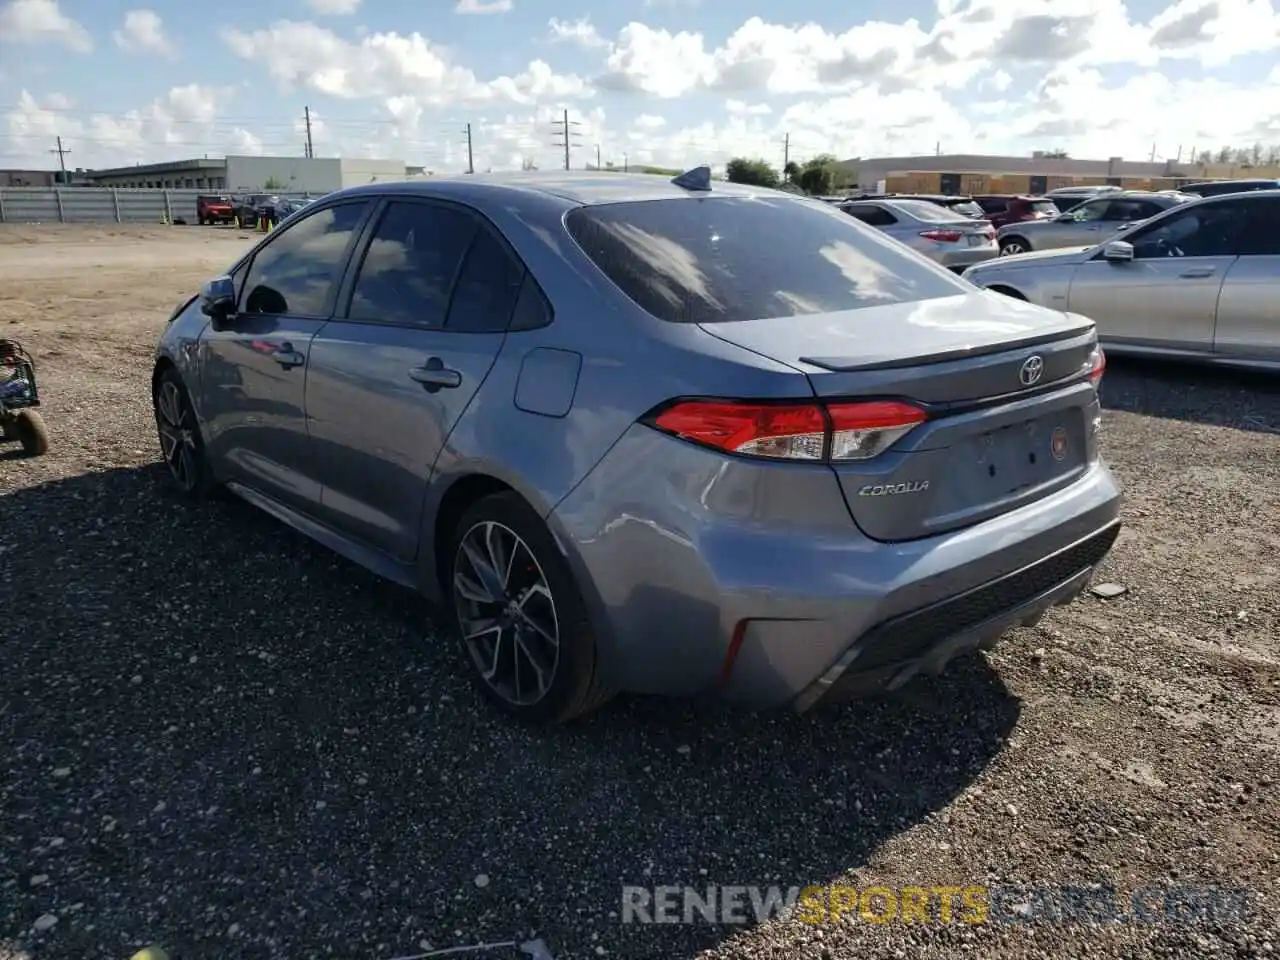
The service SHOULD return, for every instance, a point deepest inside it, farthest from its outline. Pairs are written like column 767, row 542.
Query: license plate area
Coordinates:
column 977, row 240
column 1007, row 461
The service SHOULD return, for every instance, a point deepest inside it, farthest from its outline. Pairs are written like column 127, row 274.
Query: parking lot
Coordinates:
column 219, row 737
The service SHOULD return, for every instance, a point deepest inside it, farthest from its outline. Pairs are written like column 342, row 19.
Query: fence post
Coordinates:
column 115, row 202
column 2, row 205
column 168, row 210
column 57, row 195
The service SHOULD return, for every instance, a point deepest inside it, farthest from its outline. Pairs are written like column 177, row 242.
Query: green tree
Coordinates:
column 791, row 172
column 818, row 175
column 756, row 172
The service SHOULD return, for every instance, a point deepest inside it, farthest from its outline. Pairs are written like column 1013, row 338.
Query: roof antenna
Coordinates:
column 699, row 178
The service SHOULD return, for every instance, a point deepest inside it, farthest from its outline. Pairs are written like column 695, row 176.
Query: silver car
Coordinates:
column 1201, row 281
column 1086, row 223
column 954, row 241
column 678, row 437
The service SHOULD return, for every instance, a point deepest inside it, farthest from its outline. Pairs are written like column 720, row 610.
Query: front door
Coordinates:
column 254, row 366
column 390, row 376
column 1167, row 296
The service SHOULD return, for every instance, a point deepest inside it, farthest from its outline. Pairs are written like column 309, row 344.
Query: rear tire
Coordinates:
column 521, row 620
column 28, row 428
column 1014, row 245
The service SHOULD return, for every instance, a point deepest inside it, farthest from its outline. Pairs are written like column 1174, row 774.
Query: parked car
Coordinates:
column 1200, row 280
column 214, row 208
column 1002, row 209
column 1086, row 223
column 253, row 207
column 288, row 206
column 1217, row 188
column 668, row 437
column 952, row 241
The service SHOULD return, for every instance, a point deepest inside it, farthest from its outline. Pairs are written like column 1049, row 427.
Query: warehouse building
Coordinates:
column 252, row 174
column 977, row 174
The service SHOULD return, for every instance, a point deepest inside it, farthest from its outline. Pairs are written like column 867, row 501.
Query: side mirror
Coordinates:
column 1118, row 251
column 218, row 298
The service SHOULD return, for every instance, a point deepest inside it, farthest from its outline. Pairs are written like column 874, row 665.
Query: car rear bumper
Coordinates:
column 749, row 582
column 966, row 256
column 926, row 640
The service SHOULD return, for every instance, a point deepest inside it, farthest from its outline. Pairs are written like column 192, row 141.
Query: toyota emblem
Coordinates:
column 1032, row 370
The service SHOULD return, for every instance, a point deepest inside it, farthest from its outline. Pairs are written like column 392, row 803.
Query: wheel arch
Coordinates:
column 1008, row 291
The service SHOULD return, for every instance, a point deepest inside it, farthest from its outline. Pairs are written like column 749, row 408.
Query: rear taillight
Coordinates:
column 791, row 431
column 943, row 236
column 1097, row 365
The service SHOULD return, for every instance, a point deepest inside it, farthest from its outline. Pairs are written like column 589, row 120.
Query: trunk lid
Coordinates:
column 992, row 442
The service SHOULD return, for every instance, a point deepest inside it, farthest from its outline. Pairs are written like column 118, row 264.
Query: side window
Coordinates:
column 487, row 287
column 873, row 216
column 1258, row 234
column 1089, row 212
column 532, row 310
column 1203, row 231
column 296, row 272
column 410, row 266
column 1125, row 211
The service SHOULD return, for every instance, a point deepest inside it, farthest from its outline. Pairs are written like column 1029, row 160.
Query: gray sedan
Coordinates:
column 681, row 437
column 1087, row 223
column 1200, row 281
column 948, row 239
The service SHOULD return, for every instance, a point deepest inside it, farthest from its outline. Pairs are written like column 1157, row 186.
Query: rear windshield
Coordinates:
column 928, row 211
column 1049, row 207
column 966, row 208
column 721, row 259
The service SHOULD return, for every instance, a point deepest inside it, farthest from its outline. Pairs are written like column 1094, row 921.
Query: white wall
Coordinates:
column 358, row 171
column 293, row 174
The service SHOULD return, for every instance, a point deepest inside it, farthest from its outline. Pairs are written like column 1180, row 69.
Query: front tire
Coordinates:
column 181, row 443
column 27, row 427
column 520, row 617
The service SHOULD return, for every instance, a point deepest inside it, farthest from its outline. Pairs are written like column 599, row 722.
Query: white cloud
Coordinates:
column 304, row 55
column 143, row 32
column 334, row 8
column 647, row 121
column 483, row 6
column 579, row 31
column 35, row 21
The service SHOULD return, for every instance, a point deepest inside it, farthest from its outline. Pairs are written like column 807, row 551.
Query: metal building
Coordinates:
column 252, row 174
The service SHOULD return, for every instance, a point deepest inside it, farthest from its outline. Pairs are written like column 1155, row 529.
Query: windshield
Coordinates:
column 722, row 259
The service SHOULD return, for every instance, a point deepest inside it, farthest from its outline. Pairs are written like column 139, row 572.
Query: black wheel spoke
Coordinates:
column 175, row 422
column 506, row 613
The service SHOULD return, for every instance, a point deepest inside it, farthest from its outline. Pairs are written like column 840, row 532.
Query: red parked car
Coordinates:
column 1015, row 208
column 212, row 208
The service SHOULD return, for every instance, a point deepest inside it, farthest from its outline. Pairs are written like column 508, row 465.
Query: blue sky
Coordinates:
column 669, row 81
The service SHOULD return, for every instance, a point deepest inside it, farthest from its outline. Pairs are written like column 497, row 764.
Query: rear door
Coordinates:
column 1167, row 296
column 254, row 369
column 1248, row 324
column 428, row 311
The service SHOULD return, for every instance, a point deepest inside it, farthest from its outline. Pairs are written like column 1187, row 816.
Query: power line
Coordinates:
column 471, row 159
column 567, row 136
column 306, row 118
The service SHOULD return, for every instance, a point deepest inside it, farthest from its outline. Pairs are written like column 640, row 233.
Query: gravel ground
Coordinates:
column 217, row 737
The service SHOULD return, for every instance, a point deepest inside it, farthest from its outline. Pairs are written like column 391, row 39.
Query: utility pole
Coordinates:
column 626, row 167
column 62, row 158
column 1153, row 153
column 786, row 150
column 566, row 136
column 471, row 160
column 306, row 118
column 597, row 156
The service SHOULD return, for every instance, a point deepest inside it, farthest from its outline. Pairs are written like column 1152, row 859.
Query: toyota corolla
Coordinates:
column 647, row 435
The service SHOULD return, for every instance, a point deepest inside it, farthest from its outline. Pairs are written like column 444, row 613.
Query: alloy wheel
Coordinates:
column 506, row 613
column 176, row 423
column 1011, row 249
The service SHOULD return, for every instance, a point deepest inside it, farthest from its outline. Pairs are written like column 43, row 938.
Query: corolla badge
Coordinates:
column 1032, row 370
column 893, row 489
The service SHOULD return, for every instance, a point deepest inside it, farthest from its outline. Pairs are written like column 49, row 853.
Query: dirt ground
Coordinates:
column 218, row 737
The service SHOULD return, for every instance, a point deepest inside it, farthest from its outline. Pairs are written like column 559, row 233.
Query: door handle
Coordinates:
column 434, row 376
column 1197, row 272
column 288, row 357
